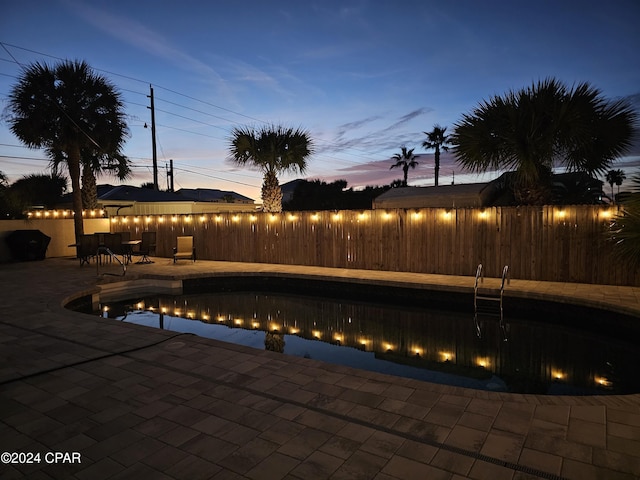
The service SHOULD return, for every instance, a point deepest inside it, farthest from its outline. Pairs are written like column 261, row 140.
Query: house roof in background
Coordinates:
column 212, row 195
column 444, row 196
column 138, row 194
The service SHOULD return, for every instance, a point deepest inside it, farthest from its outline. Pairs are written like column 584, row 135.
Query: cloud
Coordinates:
column 411, row 115
column 246, row 73
column 379, row 172
column 406, row 119
column 143, row 38
column 348, row 136
column 347, row 127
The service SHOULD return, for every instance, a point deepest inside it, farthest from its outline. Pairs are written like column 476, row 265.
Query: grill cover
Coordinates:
column 26, row 245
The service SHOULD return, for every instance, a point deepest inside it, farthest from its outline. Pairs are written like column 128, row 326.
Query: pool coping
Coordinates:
column 618, row 299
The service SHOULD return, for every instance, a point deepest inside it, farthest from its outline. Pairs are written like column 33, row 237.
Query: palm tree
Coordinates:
column 406, row 160
column 437, row 140
column 615, row 177
column 625, row 231
column 73, row 114
column 273, row 150
column 533, row 130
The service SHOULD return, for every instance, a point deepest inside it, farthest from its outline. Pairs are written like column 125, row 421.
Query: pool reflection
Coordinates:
column 514, row 355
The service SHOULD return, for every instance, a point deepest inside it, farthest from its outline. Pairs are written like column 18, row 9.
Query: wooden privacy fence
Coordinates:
column 565, row 244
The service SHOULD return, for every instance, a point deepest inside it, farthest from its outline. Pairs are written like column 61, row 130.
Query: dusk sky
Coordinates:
column 364, row 77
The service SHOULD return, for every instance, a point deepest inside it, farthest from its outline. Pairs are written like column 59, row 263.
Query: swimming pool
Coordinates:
column 430, row 336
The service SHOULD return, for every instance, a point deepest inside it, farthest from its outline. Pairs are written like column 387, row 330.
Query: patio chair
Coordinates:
column 87, row 248
column 125, row 236
column 113, row 241
column 185, row 249
column 147, row 247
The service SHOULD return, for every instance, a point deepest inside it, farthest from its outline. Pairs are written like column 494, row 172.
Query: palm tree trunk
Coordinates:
column 89, row 188
column 271, row 193
column 74, row 172
column 613, row 197
column 437, row 159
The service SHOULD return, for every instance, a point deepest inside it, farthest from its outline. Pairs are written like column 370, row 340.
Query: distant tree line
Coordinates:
column 319, row 195
column 34, row 190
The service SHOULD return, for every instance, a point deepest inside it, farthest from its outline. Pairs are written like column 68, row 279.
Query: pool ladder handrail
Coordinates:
column 107, row 251
column 487, row 296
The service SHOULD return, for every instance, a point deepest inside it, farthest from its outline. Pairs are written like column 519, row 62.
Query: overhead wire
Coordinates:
column 327, row 158
column 56, row 104
column 320, row 157
column 366, row 155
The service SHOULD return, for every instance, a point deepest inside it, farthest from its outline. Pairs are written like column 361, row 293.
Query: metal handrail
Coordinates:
column 504, row 327
column 113, row 256
column 479, row 275
column 498, row 298
column 505, row 275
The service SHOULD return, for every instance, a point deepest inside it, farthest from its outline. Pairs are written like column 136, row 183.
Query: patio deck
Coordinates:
column 136, row 402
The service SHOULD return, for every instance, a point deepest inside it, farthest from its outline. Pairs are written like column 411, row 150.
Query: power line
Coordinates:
column 198, row 111
column 368, row 155
column 188, row 131
column 319, row 157
column 213, row 176
column 135, row 80
column 24, row 158
column 191, row 119
column 58, row 106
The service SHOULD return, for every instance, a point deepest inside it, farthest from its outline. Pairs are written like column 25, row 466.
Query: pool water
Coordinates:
column 441, row 346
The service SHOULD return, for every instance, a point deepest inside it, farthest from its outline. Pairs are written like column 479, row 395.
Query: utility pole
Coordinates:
column 153, row 140
column 170, row 176
column 171, row 170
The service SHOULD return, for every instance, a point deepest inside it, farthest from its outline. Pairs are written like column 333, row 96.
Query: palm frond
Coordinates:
column 625, row 228
column 531, row 130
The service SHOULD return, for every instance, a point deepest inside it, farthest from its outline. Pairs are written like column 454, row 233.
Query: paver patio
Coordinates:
column 137, row 402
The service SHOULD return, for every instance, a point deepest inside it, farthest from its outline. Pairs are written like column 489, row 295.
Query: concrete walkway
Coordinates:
column 125, row 401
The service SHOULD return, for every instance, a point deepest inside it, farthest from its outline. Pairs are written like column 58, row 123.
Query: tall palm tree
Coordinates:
column 273, row 150
column 72, row 113
column 615, row 177
column 437, row 140
column 406, row 159
column 535, row 129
